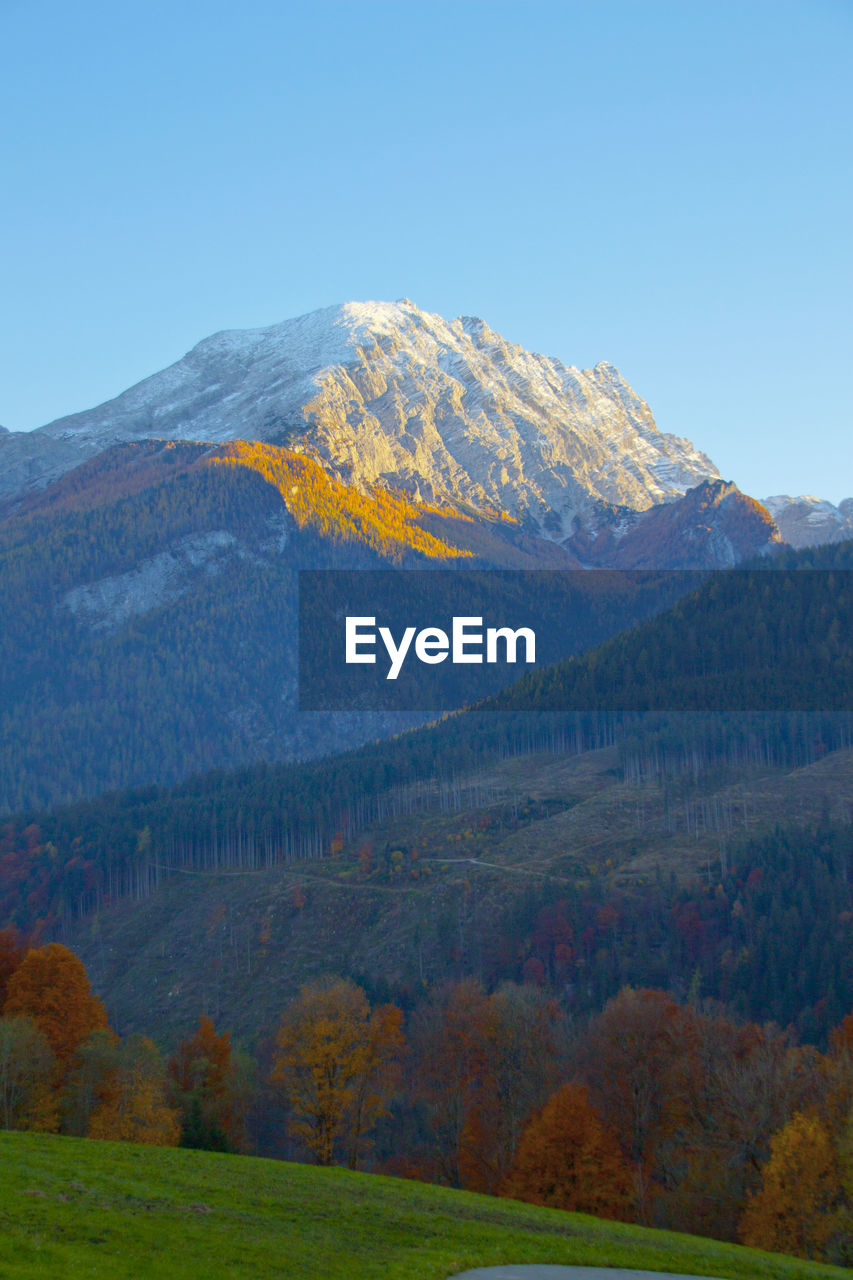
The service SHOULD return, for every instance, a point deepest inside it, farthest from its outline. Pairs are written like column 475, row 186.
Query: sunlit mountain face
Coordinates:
column 388, row 393
column 149, row 547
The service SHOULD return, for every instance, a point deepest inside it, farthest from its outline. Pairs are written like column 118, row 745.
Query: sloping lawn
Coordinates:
column 72, row 1208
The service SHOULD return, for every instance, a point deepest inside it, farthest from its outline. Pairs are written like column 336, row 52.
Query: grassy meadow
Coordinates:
column 72, row 1207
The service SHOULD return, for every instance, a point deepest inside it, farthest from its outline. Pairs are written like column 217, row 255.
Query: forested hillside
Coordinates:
column 149, row 610
column 774, row 637
column 681, row 795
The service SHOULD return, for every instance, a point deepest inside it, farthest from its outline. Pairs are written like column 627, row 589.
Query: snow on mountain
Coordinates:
column 390, row 394
column 809, row 522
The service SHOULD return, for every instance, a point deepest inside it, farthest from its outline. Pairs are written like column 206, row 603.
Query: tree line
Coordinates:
column 665, row 1113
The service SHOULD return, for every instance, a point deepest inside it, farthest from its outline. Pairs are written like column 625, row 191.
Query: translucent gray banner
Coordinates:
column 412, row 640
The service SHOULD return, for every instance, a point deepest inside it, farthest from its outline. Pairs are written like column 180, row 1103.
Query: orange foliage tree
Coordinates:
column 51, row 986
column 133, row 1107
column 203, row 1088
column 792, row 1212
column 569, row 1160
column 483, row 1064
column 838, row 1071
column 842, row 1242
column 338, row 1063
column 841, row 1037
column 730, row 1087
column 694, row 1100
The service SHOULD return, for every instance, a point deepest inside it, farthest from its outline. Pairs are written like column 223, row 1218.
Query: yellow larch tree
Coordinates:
column 337, row 1063
column 794, row 1209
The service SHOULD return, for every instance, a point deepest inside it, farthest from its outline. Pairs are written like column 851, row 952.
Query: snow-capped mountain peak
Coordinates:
column 389, row 394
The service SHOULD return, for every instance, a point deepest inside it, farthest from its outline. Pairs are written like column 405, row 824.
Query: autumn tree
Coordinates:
column 841, row 1244
column 337, row 1063
column 524, row 1045
column 51, row 986
column 841, row 1037
column 699, row 1155
column 734, row 1085
column 451, row 1041
column 12, row 952
column 90, row 1080
column 483, row 1064
column 568, row 1159
column 694, row 1099
column 838, row 1073
column 792, row 1212
column 133, row 1106
column 628, row 1060
column 204, row 1088
column 27, row 1099
column 751, row 1094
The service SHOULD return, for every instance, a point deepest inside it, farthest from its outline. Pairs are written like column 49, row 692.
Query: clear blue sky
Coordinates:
column 665, row 185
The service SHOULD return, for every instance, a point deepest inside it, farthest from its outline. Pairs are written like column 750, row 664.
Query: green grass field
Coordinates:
column 73, row 1208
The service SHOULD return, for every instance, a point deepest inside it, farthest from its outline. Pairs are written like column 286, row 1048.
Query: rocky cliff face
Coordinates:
column 811, row 522
column 712, row 526
column 390, row 394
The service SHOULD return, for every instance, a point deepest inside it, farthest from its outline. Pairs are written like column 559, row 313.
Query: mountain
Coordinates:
column 464, row 885
column 772, row 638
column 149, row 600
column 149, row 547
column 392, row 395
column 150, row 604
column 712, row 526
column 811, row 522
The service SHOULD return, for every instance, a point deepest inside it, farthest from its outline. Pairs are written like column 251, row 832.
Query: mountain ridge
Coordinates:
column 807, row 521
column 389, row 393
